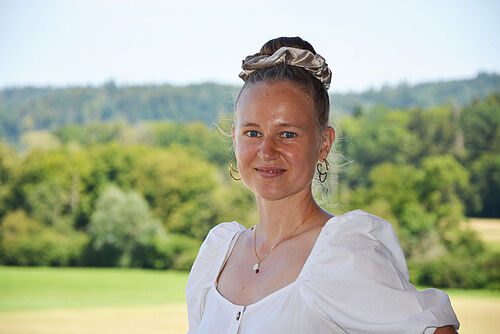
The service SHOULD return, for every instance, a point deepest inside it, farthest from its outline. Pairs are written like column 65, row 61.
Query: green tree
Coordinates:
column 436, row 130
column 481, row 126
column 444, row 178
column 178, row 187
column 121, row 223
column 485, row 180
column 380, row 136
column 9, row 168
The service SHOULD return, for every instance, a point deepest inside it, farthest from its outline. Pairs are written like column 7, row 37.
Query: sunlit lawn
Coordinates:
column 34, row 288
column 489, row 231
column 88, row 300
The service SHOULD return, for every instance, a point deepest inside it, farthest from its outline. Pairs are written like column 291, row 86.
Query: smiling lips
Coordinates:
column 270, row 171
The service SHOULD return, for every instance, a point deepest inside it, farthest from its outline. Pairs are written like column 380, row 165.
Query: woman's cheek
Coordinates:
column 295, row 154
column 244, row 153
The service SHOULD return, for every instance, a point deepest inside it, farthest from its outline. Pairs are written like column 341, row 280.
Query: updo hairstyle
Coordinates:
column 314, row 88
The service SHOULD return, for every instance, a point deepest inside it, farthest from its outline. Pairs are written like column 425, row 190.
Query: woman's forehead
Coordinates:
column 274, row 89
column 279, row 102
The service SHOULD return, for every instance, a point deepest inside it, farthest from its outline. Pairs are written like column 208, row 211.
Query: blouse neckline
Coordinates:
column 274, row 293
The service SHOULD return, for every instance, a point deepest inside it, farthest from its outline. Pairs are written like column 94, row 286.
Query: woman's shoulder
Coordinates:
column 360, row 233
column 215, row 244
column 223, row 230
column 358, row 225
column 360, row 221
column 212, row 251
column 358, row 276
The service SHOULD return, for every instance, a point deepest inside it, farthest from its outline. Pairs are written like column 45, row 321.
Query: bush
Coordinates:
column 182, row 250
column 459, row 271
column 167, row 251
column 27, row 242
column 56, row 249
column 491, row 266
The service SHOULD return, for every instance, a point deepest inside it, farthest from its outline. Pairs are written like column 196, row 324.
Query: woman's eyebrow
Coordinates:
column 250, row 124
column 291, row 125
column 281, row 125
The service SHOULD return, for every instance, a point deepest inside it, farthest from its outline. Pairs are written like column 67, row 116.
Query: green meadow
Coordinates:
column 101, row 300
column 25, row 288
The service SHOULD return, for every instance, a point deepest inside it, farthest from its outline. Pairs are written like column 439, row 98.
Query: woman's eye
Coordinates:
column 288, row 135
column 252, row 133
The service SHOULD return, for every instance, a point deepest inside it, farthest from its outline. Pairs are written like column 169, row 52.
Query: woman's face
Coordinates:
column 276, row 139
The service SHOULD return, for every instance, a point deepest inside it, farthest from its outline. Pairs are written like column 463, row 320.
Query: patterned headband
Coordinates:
column 313, row 63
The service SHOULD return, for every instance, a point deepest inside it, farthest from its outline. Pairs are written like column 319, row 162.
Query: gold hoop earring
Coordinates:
column 231, row 170
column 322, row 171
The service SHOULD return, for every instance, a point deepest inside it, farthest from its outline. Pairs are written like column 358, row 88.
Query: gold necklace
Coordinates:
column 259, row 260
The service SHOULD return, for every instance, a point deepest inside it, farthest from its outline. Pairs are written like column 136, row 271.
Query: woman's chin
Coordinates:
column 273, row 194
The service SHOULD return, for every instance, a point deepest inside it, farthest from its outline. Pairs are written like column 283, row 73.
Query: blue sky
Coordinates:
column 366, row 43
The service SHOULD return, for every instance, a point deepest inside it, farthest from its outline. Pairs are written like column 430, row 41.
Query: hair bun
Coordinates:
column 273, row 45
column 313, row 63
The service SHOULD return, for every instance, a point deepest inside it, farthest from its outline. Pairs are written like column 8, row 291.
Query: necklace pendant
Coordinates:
column 256, row 267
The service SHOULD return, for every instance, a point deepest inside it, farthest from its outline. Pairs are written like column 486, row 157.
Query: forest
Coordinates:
column 137, row 176
column 45, row 108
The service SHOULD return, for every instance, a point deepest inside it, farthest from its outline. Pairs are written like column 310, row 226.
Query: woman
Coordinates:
column 300, row 269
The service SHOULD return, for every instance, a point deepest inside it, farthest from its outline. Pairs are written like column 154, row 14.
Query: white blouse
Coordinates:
column 355, row 280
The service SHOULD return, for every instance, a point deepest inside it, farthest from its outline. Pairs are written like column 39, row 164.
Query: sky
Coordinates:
column 367, row 44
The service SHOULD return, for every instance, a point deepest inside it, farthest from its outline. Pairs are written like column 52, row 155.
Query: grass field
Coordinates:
column 489, row 231
column 86, row 300
column 41, row 288
column 89, row 300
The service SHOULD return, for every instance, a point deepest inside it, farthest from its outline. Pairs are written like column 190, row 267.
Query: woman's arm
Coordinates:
column 446, row 330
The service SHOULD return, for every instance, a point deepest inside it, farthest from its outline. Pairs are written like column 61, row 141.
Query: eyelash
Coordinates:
column 293, row 133
column 286, row 132
column 248, row 133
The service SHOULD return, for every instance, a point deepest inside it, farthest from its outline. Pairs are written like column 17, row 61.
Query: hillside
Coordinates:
column 423, row 95
column 31, row 108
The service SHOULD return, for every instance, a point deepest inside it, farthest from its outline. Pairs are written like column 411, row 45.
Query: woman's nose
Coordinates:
column 268, row 149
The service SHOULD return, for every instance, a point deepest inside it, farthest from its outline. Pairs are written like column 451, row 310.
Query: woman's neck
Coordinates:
column 285, row 218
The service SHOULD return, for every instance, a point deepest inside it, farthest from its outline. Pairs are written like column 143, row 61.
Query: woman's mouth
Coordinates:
column 270, row 171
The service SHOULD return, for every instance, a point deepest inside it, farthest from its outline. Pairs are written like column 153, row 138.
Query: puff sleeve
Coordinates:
column 359, row 280
column 204, row 269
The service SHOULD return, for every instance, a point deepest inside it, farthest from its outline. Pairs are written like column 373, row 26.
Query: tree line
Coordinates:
column 30, row 108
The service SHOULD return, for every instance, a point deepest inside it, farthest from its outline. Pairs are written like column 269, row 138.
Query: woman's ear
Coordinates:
column 326, row 143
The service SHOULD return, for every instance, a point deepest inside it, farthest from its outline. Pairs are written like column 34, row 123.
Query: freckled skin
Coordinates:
column 268, row 106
